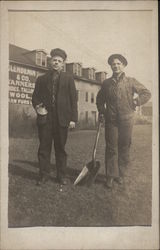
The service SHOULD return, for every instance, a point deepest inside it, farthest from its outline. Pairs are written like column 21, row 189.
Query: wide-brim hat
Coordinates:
column 58, row 52
column 119, row 57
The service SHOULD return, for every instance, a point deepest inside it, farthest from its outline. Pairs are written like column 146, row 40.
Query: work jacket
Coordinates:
column 66, row 103
column 115, row 98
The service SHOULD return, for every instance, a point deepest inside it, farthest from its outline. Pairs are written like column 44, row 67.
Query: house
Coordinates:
column 25, row 66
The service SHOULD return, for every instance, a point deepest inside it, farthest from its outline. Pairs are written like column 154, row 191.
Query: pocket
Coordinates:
column 41, row 119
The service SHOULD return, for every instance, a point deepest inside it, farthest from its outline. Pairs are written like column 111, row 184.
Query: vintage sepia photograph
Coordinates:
column 80, row 125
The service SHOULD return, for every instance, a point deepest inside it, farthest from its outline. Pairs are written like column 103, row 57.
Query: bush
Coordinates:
column 141, row 119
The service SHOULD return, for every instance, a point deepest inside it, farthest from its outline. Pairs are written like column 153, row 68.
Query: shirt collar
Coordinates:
column 56, row 72
column 118, row 78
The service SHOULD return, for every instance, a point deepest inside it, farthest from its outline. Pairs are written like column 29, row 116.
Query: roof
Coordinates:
column 87, row 80
column 24, row 57
column 21, row 55
column 89, row 68
column 71, row 63
column 100, row 72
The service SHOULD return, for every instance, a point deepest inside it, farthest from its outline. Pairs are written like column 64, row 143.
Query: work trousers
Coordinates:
column 49, row 132
column 118, row 141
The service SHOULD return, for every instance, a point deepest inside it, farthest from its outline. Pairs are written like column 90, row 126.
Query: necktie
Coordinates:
column 54, row 87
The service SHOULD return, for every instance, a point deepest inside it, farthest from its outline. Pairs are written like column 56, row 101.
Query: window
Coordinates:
column 41, row 59
column 86, row 116
column 92, row 97
column 80, row 70
column 94, row 75
column 77, row 69
column 38, row 58
column 43, row 56
column 91, row 74
column 86, row 96
column 94, row 117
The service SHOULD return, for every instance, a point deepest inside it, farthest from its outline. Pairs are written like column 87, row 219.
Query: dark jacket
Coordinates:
column 66, row 96
column 115, row 98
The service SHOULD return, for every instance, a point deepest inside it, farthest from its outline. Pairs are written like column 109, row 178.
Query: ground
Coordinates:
column 126, row 205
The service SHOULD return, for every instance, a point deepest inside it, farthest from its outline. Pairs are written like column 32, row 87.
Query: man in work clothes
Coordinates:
column 55, row 101
column 116, row 101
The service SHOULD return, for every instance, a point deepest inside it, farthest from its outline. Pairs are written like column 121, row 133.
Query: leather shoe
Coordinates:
column 109, row 182
column 62, row 181
column 42, row 180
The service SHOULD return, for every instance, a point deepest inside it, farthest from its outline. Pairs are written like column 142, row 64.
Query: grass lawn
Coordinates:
column 31, row 205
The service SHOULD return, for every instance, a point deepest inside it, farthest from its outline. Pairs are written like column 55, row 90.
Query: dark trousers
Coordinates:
column 118, row 140
column 49, row 132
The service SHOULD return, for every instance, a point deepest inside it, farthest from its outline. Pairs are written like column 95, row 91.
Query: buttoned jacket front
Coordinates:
column 115, row 98
column 66, row 103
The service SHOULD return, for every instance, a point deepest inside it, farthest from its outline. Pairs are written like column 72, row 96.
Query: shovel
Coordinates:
column 90, row 170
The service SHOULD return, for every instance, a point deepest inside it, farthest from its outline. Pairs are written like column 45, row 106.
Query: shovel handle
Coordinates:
column 96, row 142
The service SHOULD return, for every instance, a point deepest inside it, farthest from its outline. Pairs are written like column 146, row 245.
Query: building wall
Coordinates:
column 87, row 111
column 22, row 116
column 22, row 83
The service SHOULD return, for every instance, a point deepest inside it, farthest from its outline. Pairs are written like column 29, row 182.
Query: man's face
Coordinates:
column 117, row 66
column 57, row 63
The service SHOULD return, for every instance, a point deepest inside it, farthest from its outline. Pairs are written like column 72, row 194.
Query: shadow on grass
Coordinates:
column 24, row 173
column 30, row 163
column 27, row 173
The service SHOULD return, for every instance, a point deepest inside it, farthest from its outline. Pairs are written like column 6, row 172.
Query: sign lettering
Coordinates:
column 21, row 84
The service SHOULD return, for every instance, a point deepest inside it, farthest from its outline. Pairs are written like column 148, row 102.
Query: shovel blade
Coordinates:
column 90, row 171
column 93, row 172
column 82, row 175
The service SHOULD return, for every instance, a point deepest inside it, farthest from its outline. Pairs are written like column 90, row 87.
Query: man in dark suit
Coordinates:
column 55, row 101
column 116, row 101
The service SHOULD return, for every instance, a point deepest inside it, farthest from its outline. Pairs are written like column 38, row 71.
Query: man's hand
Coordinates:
column 40, row 109
column 39, row 106
column 101, row 118
column 72, row 125
column 136, row 100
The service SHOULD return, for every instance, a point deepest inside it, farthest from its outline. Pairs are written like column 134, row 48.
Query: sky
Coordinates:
column 89, row 37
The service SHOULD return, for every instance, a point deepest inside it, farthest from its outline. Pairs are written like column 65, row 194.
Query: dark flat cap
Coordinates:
column 119, row 57
column 58, row 52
